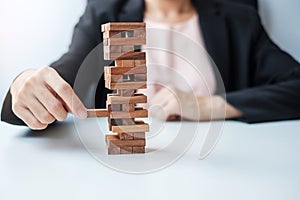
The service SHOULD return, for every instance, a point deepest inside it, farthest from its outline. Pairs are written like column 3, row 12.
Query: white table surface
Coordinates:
column 258, row 161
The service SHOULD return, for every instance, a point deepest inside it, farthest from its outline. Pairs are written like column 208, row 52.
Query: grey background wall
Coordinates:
column 34, row 33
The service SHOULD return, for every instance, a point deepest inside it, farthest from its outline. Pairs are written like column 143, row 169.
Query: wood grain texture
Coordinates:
column 138, row 63
column 124, row 56
column 140, row 77
column 124, row 63
column 112, row 149
column 126, row 136
column 121, row 26
column 138, row 150
column 125, row 115
column 126, row 93
column 115, row 140
column 131, row 128
column 114, row 34
column 126, row 85
column 124, row 41
column 126, row 150
column 109, row 70
column 128, row 107
column 129, row 115
column 137, row 98
column 97, row 113
column 139, row 136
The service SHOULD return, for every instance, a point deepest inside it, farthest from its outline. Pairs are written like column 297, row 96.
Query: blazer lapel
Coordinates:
column 215, row 32
column 213, row 26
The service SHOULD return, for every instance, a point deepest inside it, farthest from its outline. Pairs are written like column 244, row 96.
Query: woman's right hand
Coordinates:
column 39, row 97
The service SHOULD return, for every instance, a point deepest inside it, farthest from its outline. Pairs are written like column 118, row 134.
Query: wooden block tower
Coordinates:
column 128, row 75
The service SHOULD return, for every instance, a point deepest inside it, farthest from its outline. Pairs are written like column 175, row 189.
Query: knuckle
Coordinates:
column 62, row 116
column 45, row 70
column 46, row 118
column 55, row 106
column 35, row 124
column 65, row 88
column 15, row 106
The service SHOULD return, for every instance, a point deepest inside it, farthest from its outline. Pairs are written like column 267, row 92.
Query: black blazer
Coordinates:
column 260, row 79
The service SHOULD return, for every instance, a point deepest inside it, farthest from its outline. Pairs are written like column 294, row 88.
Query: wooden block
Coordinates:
column 126, row 93
column 97, row 113
column 119, row 63
column 137, row 98
column 121, row 26
column 126, row 150
column 125, row 70
column 131, row 128
column 128, row 77
column 113, row 49
column 124, row 41
column 125, row 63
column 115, row 140
column 139, row 136
column 138, row 150
column 112, row 149
column 128, row 107
column 114, row 107
column 140, row 32
column 140, row 77
column 138, row 63
column 125, row 136
column 125, row 115
column 103, row 27
column 126, row 85
column 129, row 48
column 114, row 78
column 127, row 122
column 125, row 56
column 128, row 63
column 112, row 34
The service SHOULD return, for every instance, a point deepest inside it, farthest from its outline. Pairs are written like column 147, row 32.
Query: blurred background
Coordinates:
column 34, row 33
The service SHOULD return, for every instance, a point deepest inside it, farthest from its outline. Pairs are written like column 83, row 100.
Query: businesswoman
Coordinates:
column 261, row 81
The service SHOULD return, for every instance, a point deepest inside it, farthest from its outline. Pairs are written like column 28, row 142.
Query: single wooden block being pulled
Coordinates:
column 97, row 113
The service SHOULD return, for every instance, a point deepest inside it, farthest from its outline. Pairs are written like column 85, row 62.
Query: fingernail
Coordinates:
column 82, row 114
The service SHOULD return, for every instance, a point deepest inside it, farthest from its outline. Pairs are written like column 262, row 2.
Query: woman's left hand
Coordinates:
column 170, row 102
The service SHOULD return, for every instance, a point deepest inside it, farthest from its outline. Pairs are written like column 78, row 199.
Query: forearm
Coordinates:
column 216, row 108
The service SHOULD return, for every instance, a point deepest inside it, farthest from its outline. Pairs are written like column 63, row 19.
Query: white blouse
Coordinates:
column 176, row 57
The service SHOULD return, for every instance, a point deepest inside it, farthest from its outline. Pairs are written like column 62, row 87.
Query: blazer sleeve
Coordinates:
column 275, row 93
column 86, row 36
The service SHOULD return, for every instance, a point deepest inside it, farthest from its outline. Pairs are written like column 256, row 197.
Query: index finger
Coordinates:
column 66, row 94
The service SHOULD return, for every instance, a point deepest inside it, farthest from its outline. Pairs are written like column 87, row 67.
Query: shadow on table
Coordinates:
column 60, row 135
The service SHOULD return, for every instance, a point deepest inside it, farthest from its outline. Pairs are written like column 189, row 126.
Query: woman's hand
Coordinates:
column 39, row 97
column 170, row 102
